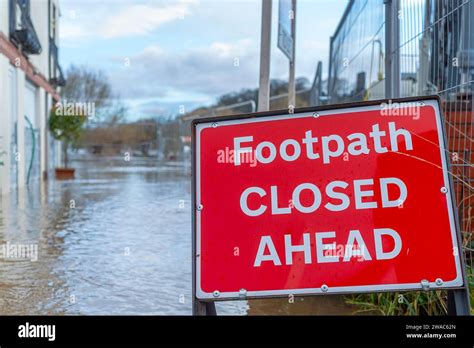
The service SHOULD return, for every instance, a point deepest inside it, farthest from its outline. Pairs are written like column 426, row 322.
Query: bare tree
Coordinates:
column 86, row 85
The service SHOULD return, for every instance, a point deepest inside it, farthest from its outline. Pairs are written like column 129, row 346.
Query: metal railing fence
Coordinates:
column 428, row 46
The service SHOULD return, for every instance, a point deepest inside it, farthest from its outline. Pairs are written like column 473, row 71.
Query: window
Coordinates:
column 22, row 31
column 53, row 19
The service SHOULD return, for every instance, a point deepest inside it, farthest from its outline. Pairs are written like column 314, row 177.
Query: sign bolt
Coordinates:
column 421, row 103
column 242, row 293
column 214, row 125
column 216, row 293
column 425, row 284
column 315, row 114
column 444, row 190
column 200, row 207
column 324, row 288
column 439, row 281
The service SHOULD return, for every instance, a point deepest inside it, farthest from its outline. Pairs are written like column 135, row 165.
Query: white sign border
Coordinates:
column 236, row 295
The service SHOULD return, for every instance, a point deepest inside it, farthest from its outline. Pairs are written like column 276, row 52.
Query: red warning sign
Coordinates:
column 341, row 200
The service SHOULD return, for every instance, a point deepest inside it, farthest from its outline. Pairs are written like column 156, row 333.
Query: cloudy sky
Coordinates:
column 160, row 54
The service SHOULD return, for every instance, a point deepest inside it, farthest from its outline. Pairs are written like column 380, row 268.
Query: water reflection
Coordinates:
column 117, row 240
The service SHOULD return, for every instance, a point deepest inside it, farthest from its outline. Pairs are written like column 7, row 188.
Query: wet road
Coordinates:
column 116, row 240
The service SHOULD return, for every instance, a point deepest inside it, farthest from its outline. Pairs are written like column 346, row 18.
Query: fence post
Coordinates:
column 458, row 302
column 203, row 308
column 388, row 48
column 424, row 52
column 392, row 49
column 396, row 49
column 330, row 76
column 465, row 54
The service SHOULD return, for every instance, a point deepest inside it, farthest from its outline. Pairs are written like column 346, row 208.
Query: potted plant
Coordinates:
column 68, row 130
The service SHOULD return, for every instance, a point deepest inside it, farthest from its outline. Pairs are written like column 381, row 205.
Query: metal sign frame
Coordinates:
column 285, row 39
column 458, row 298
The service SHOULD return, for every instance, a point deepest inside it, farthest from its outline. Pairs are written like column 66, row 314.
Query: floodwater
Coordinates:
column 116, row 240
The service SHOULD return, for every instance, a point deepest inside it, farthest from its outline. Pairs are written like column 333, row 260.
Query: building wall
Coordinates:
column 28, row 92
column 4, row 119
column 4, row 16
column 39, row 17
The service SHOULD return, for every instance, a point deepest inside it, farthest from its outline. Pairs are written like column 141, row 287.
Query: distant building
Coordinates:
column 30, row 77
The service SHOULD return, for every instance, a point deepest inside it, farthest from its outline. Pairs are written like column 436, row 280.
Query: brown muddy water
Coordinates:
column 116, row 240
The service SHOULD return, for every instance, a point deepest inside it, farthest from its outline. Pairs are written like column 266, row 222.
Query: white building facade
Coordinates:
column 30, row 78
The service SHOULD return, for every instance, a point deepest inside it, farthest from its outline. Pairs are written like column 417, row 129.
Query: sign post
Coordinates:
column 349, row 198
column 265, row 42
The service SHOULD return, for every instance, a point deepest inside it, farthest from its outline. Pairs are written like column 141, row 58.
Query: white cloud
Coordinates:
column 71, row 31
column 195, row 60
column 142, row 19
column 198, row 74
column 124, row 20
column 208, row 71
